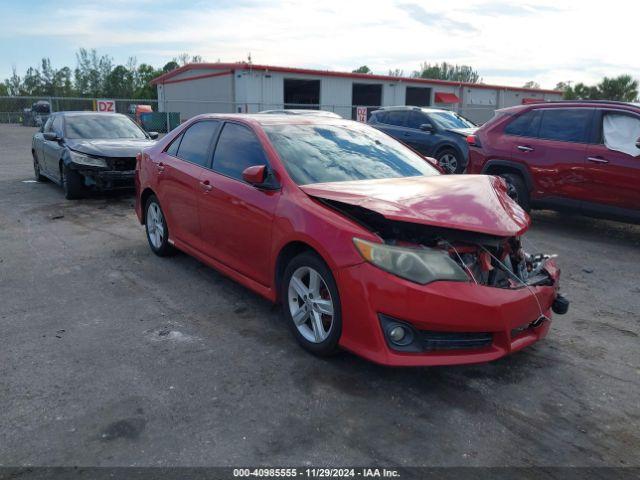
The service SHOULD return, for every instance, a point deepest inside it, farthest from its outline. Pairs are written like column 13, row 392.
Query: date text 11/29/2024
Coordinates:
column 315, row 473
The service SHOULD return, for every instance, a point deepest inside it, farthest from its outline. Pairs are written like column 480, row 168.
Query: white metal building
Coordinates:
column 241, row 87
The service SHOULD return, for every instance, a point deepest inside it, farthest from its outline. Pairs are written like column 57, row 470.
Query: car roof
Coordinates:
column 278, row 119
column 570, row 104
column 88, row 113
column 410, row 107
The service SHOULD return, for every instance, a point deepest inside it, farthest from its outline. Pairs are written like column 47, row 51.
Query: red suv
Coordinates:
column 581, row 156
column 366, row 245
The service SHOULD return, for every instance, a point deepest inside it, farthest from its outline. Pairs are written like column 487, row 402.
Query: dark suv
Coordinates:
column 582, row 156
column 437, row 133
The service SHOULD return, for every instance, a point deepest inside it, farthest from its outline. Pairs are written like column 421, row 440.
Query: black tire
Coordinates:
column 162, row 248
column 328, row 346
column 517, row 189
column 36, row 169
column 449, row 160
column 72, row 183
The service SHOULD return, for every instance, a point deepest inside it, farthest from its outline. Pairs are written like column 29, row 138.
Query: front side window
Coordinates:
column 56, row 126
column 337, row 153
column 47, row 126
column 101, row 126
column 237, row 148
column 525, row 125
column 621, row 132
column 196, row 141
column 416, row 119
column 565, row 125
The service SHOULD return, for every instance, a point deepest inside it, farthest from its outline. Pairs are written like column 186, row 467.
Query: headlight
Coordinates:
column 420, row 265
column 82, row 159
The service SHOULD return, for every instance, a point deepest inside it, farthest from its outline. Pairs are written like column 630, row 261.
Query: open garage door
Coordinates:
column 301, row 93
column 366, row 95
column 418, row 96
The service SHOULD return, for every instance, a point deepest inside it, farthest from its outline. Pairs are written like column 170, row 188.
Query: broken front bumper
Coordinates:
column 493, row 321
column 108, row 179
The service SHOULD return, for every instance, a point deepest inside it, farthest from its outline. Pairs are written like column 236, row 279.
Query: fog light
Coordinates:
column 397, row 334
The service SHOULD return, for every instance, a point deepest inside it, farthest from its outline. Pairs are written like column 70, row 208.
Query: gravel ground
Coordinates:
column 112, row 356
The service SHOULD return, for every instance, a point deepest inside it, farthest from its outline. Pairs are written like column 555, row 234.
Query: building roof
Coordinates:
column 231, row 67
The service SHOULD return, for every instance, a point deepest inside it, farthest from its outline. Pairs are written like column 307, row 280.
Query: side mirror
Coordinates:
column 255, row 175
column 153, row 135
column 427, row 127
column 51, row 136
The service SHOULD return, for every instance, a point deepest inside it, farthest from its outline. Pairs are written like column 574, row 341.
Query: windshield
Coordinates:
column 337, row 153
column 101, row 126
column 448, row 120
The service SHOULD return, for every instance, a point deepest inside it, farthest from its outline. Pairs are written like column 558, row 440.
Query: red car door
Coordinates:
column 235, row 217
column 614, row 176
column 179, row 170
column 555, row 152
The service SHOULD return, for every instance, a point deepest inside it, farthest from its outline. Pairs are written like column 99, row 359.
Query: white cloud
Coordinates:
column 507, row 42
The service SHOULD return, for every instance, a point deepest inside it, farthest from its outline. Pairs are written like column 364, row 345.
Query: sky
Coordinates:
column 507, row 42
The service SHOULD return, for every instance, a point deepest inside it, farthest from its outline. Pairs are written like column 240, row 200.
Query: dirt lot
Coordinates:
column 112, row 356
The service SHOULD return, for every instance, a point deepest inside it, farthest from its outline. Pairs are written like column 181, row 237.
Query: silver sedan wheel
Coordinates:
column 310, row 304
column 155, row 225
column 448, row 162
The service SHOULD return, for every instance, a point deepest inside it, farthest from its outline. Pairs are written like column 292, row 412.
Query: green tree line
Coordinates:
column 94, row 76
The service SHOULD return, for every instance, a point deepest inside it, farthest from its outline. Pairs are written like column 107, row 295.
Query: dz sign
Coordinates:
column 106, row 106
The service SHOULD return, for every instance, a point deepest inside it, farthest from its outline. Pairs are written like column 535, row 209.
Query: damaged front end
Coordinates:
column 104, row 173
column 487, row 260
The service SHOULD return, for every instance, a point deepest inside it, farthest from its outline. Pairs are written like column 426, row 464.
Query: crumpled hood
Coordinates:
column 117, row 147
column 476, row 203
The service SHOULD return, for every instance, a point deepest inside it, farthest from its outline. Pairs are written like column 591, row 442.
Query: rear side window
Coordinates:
column 194, row 146
column 525, row 125
column 569, row 125
column 378, row 117
column 237, row 148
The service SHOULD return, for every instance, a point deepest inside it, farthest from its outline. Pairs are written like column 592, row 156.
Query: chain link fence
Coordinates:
column 154, row 116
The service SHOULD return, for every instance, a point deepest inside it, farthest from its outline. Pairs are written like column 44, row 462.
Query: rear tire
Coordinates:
column 157, row 229
column 72, row 183
column 449, row 160
column 517, row 189
column 310, row 294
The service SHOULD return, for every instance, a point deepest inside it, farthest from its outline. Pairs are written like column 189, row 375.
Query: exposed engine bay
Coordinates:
column 488, row 260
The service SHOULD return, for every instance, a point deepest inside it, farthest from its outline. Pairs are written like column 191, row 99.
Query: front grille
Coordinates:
column 454, row 340
column 123, row 164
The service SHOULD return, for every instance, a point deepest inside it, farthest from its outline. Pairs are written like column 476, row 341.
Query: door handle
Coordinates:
column 597, row 160
column 524, row 148
column 206, row 186
column 160, row 167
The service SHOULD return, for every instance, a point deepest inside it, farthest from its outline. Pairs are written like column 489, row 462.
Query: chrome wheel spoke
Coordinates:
column 318, row 328
column 299, row 287
column 325, row 307
column 301, row 316
column 314, row 283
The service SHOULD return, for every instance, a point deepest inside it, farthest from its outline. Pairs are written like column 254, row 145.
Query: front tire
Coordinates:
column 157, row 229
column 72, row 183
column 449, row 160
column 311, row 304
column 517, row 190
column 36, row 169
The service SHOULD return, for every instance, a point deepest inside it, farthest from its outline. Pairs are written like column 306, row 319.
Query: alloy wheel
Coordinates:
column 310, row 304
column 448, row 162
column 155, row 225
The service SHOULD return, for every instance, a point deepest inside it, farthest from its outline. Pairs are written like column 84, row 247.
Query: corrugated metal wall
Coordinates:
column 255, row 90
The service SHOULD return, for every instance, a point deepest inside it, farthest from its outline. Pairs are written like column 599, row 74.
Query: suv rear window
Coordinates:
column 570, row 125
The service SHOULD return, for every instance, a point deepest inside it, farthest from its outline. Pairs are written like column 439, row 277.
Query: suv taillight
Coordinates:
column 473, row 141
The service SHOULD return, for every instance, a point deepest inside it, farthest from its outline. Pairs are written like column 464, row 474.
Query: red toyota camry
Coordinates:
column 365, row 244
